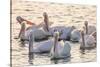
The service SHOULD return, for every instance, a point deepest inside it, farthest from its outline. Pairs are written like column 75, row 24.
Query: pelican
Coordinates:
column 75, row 35
column 88, row 30
column 38, row 32
column 66, row 31
column 87, row 41
column 60, row 49
column 47, row 46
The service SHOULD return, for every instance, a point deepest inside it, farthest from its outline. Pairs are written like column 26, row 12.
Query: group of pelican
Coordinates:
column 56, row 37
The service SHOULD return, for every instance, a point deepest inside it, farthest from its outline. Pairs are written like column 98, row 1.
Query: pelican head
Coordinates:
column 46, row 21
column 19, row 19
column 73, row 27
column 56, row 35
column 86, row 26
column 44, row 14
column 86, row 23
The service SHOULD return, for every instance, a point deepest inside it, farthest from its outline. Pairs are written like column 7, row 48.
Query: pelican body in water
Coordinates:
column 38, row 32
column 88, row 30
column 57, row 49
column 60, row 49
column 87, row 41
column 45, row 31
column 75, row 35
column 66, row 31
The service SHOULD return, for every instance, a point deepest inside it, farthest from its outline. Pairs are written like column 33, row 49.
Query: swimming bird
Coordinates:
column 87, row 41
column 60, row 49
column 66, row 31
column 38, row 32
column 47, row 46
column 88, row 30
column 75, row 35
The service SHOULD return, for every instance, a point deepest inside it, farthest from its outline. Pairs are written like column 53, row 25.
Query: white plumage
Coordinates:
column 75, row 35
column 89, row 41
column 62, row 49
column 39, row 33
column 65, row 31
column 44, row 46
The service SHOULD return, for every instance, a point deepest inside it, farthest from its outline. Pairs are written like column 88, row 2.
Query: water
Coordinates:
column 20, row 56
column 59, row 14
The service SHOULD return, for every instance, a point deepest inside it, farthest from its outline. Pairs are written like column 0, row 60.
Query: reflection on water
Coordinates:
column 64, row 60
column 44, row 58
column 76, row 56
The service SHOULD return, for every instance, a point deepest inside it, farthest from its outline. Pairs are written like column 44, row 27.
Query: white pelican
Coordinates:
column 38, row 32
column 48, row 45
column 87, row 41
column 88, row 30
column 60, row 49
column 66, row 31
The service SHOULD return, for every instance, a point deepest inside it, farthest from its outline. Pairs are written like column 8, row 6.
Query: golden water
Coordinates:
column 61, row 14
